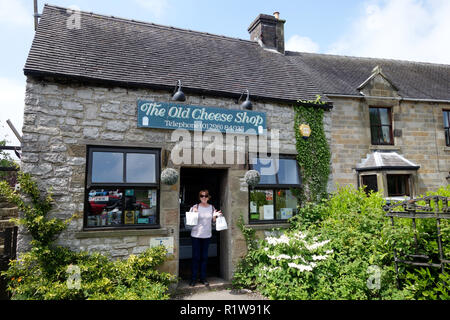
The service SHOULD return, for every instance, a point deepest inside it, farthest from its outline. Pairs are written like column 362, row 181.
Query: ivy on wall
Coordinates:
column 313, row 153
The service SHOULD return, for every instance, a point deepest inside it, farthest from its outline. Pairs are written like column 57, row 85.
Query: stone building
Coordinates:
column 101, row 124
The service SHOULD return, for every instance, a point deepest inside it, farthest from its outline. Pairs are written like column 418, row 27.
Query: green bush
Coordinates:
column 99, row 278
column 49, row 272
column 356, row 228
column 358, row 260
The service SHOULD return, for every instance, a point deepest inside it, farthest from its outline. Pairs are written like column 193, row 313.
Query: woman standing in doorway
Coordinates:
column 201, row 236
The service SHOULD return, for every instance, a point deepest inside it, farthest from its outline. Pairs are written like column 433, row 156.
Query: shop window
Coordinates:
column 398, row 185
column 447, row 127
column 381, row 126
column 275, row 196
column 370, row 183
column 122, row 188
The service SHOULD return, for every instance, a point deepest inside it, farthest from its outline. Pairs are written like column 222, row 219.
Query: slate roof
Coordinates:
column 133, row 53
column 385, row 161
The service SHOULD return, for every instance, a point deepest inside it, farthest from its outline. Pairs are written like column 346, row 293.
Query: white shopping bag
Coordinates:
column 191, row 218
column 221, row 223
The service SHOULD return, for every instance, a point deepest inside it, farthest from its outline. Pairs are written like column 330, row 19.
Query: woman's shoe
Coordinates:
column 206, row 283
column 192, row 283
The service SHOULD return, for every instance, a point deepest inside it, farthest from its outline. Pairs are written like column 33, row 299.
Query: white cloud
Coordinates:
column 301, row 44
column 14, row 12
column 12, row 97
column 156, row 7
column 400, row 29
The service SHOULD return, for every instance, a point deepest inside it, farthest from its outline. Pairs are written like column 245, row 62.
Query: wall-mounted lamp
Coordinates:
column 179, row 95
column 246, row 104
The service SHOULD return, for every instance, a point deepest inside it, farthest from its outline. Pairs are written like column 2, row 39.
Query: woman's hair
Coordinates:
column 206, row 192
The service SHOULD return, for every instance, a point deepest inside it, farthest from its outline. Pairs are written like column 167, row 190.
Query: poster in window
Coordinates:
column 269, row 195
column 253, row 207
column 268, row 212
column 286, row 213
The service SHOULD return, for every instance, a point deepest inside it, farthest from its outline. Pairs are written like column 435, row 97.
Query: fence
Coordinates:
column 436, row 207
column 8, row 237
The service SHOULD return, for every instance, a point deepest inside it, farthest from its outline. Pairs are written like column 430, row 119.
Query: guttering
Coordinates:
column 39, row 75
column 381, row 168
column 385, row 98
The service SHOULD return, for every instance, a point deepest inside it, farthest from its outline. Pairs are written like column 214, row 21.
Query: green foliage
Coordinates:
column 35, row 209
column 359, row 261
column 355, row 225
column 44, row 271
column 313, row 153
column 426, row 284
column 8, row 162
column 100, row 277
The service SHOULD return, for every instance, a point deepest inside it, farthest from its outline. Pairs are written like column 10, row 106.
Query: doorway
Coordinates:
column 192, row 180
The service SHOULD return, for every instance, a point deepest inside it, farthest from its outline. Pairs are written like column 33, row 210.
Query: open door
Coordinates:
column 192, row 180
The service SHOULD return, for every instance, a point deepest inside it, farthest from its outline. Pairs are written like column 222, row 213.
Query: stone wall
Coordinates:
column 61, row 119
column 421, row 139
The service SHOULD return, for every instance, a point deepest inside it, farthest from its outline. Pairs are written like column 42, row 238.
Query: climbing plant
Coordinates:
column 313, row 152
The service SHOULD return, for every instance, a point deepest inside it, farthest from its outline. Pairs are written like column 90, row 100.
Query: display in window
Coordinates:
column 121, row 207
column 105, row 208
column 286, row 203
column 260, row 201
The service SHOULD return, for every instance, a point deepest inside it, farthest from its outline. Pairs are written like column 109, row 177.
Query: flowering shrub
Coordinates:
column 44, row 272
column 296, row 259
column 328, row 253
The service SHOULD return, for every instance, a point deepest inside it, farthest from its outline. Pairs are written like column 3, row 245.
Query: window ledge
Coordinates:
column 384, row 147
column 266, row 226
column 447, row 149
column 120, row 233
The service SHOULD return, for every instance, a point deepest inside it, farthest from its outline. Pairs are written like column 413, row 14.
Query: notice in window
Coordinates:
column 253, row 208
column 286, row 213
column 268, row 212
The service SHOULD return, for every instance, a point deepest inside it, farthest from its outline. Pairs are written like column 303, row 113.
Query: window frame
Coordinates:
column 446, row 114
column 406, row 180
column 122, row 185
column 274, row 188
column 372, row 175
column 380, row 127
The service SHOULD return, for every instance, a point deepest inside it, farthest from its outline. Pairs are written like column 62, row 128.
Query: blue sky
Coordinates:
column 417, row 30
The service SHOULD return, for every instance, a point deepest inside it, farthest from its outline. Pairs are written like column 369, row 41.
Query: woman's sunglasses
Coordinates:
column 203, row 196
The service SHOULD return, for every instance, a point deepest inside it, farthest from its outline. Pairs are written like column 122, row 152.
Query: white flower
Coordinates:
column 315, row 258
column 281, row 256
column 329, row 251
column 316, row 245
column 270, row 269
column 300, row 235
column 300, row 267
column 274, row 241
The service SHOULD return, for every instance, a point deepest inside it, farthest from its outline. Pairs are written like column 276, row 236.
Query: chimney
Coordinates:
column 268, row 31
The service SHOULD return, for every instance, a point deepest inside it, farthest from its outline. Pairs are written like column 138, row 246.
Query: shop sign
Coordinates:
column 165, row 241
column 164, row 115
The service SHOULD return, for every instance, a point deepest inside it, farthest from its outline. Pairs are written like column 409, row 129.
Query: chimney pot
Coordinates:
column 276, row 14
